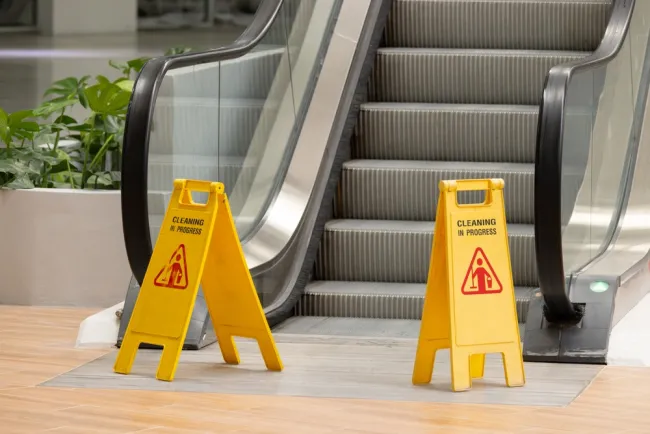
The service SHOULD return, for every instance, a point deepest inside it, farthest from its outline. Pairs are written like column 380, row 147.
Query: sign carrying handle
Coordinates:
column 183, row 189
column 487, row 185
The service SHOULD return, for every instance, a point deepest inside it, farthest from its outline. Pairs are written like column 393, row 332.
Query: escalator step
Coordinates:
column 399, row 251
column 408, row 190
column 447, row 132
column 463, row 76
column 522, row 24
column 377, row 300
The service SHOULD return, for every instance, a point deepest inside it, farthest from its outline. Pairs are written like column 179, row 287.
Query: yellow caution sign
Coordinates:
column 198, row 243
column 470, row 304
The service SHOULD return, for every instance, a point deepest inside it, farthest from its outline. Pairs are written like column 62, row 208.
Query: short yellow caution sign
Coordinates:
column 470, row 304
column 197, row 244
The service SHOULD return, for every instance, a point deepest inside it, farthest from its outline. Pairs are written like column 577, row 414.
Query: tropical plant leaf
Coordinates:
column 178, row 50
column 125, row 84
column 5, row 136
column 67, row 88
column 20, row 183
column 107, row 99
column 48, row 108
column 136, row 65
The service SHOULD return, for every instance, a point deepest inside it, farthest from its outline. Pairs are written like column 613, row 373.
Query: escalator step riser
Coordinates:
column 215, row 128
column 383, row 256
column 447, row 133
column 374, row 306
column 540, row 25
column 462, row 77
column 382, row 193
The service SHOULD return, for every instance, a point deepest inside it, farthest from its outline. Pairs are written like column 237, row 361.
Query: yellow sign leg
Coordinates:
column 231, row 296
column 513, row 367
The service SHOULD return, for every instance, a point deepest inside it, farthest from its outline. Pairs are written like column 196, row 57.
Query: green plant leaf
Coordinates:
column 66, row 120
column 20, row 183
column 19, row 116
column 125, row 84
column 107, row 99
column 99, row 180
column 137, row 64
column 4, row 127
column 123, row 67
column 48, row 108
column 67, row 88
column 102, row 80
column 15, row 126
column 178, row 50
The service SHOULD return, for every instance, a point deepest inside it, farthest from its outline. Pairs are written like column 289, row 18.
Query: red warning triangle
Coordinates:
column 174, row 274
column 480, row 277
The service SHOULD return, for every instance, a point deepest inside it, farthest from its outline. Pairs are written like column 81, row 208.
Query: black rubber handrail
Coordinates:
column 548, row 166
column 135, row 157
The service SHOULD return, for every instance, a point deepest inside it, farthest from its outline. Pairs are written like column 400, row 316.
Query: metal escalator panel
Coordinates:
column 454, row 94
column 600, row 109
column 589, row 155
column 230, row 115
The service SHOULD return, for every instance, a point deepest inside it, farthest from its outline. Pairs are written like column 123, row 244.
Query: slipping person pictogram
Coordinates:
column 480, row 277
column 174, row 274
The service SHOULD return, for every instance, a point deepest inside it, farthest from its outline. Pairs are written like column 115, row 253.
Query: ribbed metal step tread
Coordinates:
column 402, row 226
column 527, row 24
column 447, row 132
column 457, row 76
column 408, row 189
column 350, row 327
column 377, row 300
column 399, row 251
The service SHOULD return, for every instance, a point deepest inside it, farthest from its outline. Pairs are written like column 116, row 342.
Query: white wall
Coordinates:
column 60, row 17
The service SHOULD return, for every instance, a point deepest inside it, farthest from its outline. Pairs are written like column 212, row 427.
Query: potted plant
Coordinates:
column 60, row 210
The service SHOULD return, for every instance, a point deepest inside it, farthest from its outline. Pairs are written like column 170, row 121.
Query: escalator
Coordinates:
column 332, row 165
column 443, row 103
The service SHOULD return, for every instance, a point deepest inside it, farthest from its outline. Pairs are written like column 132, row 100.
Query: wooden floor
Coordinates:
column 37, row 344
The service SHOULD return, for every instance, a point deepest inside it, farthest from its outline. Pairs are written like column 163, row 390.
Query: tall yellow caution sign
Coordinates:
column 470, row 304
column 197, row 244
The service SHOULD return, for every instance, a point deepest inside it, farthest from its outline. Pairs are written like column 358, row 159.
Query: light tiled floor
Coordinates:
column 335, row 368
column 37, row 344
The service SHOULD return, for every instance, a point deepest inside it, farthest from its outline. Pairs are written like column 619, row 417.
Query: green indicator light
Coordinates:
column 599, row 286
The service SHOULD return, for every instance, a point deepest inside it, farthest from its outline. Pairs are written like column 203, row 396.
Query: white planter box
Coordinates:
column 62, row 247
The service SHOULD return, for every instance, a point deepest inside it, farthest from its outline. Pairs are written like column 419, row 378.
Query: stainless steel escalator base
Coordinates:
column 350, row 327
column 199, row 334
column 586, row 342
column 366, row 328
